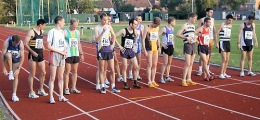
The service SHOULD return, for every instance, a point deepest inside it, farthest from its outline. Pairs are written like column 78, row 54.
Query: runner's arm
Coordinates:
column 144, row 36
column 254, row 35
column 27, row 39
column 79, row 45
column 5, row 45
column 179, row 33
column 21, row 55
column 97, row 36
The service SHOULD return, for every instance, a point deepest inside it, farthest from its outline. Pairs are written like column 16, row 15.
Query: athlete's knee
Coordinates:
column 8, row 55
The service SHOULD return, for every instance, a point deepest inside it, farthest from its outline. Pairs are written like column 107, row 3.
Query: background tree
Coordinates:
column 202, row 5
column 7, row 6
column 127, row 8
column 118, row 4
column 232, row 4
column 87, row 6
column 171, row 5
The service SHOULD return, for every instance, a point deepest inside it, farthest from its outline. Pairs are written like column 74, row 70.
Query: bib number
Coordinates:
column 129, row 43
column 73, row 42
column 206, row 40
column 154, row 36
column 105, row 42
column 39, row 43
column 227, row 32
column 192, row 36
column 170, row 38
column 249, row 35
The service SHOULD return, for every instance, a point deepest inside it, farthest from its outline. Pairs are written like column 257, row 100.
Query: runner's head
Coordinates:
column 103, row 18
column 108, row 19
column 156, row 22
column 251, row 19
column 16, row 40
column 229, row 19
column 207, row 22
column 41, row 23
column 74, row 23
column 209, row 12
column 139, row 19
column 59, row 21
column 171, row 21
column 133, row 23
column 192, row 17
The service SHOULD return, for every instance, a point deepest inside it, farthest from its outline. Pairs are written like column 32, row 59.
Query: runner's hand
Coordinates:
column 145, row 53
column 81, row 57
column 217, row 45
column 122, row 49
column 164, row 46
column 34, row 54
column 238, row 45
column 5, row 71
column 256, row 44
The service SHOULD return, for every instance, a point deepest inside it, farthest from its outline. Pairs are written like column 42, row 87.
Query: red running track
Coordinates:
column 234, row 98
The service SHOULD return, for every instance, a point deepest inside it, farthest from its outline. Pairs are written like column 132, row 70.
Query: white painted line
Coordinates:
column 8, row 107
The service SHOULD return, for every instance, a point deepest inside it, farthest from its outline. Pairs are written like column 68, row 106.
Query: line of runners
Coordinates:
column 66, row 52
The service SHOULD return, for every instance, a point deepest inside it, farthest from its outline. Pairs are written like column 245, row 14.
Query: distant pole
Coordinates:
column 192, row 6
column 16, row 8
column 42, row 10
column 49, row 17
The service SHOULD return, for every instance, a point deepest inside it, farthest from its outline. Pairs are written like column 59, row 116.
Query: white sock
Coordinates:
column 14, row 94
column 130, row 72
column 113, row 85
column 102, row 85
column 200, row 68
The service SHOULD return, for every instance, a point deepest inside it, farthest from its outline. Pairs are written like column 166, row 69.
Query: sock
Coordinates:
column 113, row 85
column 200, row 68
column 14, row 94
column 130, row 71
column 135, row 82
column 102, row 85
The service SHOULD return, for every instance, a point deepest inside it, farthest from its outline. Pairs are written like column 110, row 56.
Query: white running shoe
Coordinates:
column 242, row 74
column 15, row 98
column 107, row 82
column 98, row 87
column 63, row 99
column 42, row 93
column 120, row 79
column 33, row 95
column 11, row 75
column 103, row 90
column 199, row 73
column 52, row 101
column 162, row 81
column 226, row 75
column 251, row 74
column 66, row 92
column 130, row 75
column 222, row 76
column 168, row 79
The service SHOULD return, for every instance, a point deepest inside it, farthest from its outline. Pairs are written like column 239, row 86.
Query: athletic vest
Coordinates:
column 225, row 33
column 139, row 32
column 37, row 40
column 204, row 36
column 152, row 36
column 247, row 38
column 14, row 50
column 168, row 37
column 189, row 32
column 72, row 40
column 211, row 35
column 128, row 40
column 104, row 44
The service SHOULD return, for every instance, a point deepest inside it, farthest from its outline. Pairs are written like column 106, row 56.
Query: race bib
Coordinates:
column 61, row 43
column 206, row 39
column 170, row 38
column 248, row 35
column 192, row 36
column 39, row 43
column 154, row 36
column 227, row 32
column 129, row 43
column 73, row 42
column 105, row 42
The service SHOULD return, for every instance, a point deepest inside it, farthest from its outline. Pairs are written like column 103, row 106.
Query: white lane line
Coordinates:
column 9, row 108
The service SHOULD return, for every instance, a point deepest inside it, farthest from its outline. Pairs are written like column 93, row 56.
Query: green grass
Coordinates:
column 216, row 58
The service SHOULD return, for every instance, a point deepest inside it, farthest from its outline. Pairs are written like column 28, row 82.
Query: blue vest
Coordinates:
column 14, row 50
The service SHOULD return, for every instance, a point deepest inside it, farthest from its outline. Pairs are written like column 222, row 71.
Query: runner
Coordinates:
column 74, row 56
column 128, row 45
column 167, row 48
column 12, row 59
column 34, row 44
column 58, row 52
column 213, row 36
column 203, row 47
column 224, row 45
column 151, row 45
column 187, row 33
column 105, row 51
column 245, row 43
column 138, row 51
